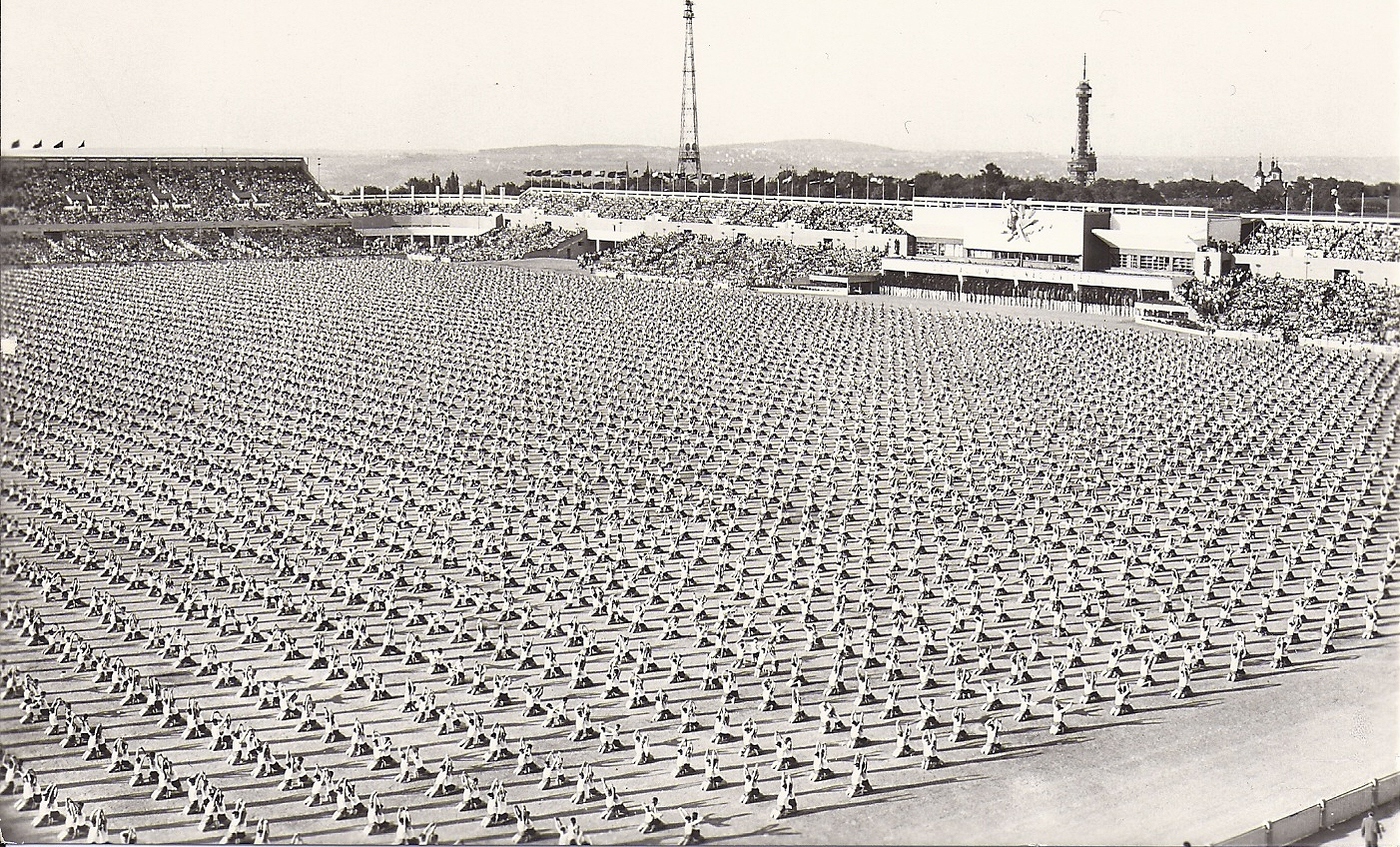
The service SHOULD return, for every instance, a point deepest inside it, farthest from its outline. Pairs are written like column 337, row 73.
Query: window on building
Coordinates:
column 1148, row 262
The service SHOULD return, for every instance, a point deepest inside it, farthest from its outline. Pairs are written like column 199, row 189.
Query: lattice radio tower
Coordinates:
column 688, row 161
column 1083, row 164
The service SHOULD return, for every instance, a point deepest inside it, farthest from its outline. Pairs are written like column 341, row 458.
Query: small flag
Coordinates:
column 82, row 144
column 14, row 145
column 38, row 144
column 58, row 146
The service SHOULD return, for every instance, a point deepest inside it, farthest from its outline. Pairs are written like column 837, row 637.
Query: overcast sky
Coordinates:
column 1169, row 78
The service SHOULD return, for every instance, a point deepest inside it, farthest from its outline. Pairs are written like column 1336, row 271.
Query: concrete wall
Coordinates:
column 1097, row 255
column 1165, row 235
column 1072, row 279
column 1054, row 231
column 456, row 226
column 1300, row 266
column 1226, row 228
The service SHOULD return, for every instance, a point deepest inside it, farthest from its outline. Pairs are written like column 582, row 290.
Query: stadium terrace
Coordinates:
column 1116, row 258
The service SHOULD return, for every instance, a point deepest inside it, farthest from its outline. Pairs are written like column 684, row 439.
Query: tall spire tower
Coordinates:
column 1083, row 163
column 688, row 162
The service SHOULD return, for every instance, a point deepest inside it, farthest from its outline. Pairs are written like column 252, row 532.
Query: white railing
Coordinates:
column 412, row 197
column 719, row 196
column 1325, row 218
column 1199, row 212
column 1325, row 814
column 932, row 202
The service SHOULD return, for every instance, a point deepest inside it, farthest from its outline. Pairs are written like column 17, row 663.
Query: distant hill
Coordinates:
column 492, row 166
column 342, row 170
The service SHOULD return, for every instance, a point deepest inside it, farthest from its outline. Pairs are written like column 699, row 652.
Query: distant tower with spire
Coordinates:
column 1083, row 164
column 1275, row 174
column 688, row 160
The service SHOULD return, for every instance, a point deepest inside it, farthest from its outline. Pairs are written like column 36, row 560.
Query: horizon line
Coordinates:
column 203, row 150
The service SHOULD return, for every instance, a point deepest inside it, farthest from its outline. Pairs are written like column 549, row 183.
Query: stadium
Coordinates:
column 619, row 515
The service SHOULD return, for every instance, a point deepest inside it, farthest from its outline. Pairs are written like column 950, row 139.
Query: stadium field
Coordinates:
column 483, row 487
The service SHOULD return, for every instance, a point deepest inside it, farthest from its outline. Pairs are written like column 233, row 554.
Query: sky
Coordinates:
column 1170, row 78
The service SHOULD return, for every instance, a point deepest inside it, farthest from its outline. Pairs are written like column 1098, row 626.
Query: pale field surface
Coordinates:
column 1198, row 769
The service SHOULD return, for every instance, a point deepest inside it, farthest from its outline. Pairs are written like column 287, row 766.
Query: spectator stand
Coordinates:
column 1306, row 248
column 63, row 190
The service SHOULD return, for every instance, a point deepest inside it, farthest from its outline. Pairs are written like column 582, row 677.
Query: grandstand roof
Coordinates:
column 1140, row 241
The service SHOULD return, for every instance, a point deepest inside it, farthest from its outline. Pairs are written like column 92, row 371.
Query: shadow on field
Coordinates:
column 1257, row 686
column 772, row 829
column 878, row 796
column 933, row 783
column 1198, row 700
column 1129, row 722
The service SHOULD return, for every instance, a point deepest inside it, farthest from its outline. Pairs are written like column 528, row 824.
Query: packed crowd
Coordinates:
column 734, row 261
column 176, row 245
column 509, row 243
column 1346, row 308
column 150, row 191
column 809, row 214
column 376, row 551
column 1371, row 241
column 424, row 206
